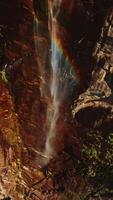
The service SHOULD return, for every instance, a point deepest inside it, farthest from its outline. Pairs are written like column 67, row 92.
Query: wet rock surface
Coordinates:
column 22, row 110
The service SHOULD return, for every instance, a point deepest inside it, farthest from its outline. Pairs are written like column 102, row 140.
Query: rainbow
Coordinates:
column 74, row 71
column 56, row 41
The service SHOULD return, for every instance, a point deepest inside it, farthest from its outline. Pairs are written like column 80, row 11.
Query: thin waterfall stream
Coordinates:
column 61, row 78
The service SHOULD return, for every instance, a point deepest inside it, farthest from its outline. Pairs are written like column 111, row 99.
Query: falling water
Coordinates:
column 60, row 75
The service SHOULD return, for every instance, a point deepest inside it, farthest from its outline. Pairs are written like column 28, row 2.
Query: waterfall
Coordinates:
column 61, row 78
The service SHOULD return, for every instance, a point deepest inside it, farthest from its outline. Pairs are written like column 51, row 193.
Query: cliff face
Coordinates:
column 99, row 93
column 73, row 172
column 20, row 104
column 93, row 114
column 10, row 143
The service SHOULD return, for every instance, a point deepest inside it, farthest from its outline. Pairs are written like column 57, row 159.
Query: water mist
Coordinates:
column 60, row 74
